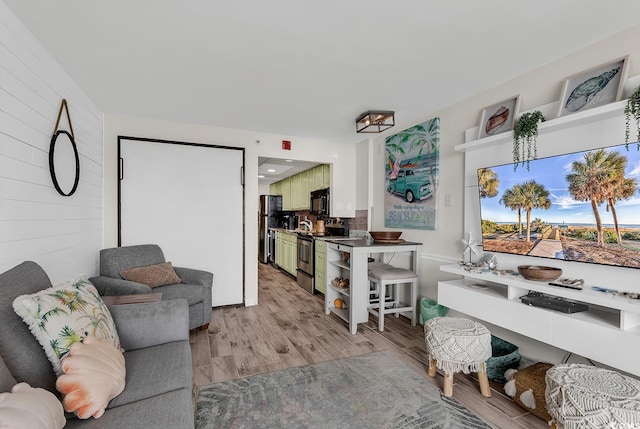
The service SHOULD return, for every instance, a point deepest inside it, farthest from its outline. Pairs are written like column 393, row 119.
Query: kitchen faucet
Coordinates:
column 307, row 223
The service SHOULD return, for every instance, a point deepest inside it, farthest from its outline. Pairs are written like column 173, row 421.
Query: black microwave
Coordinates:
column 320, row 202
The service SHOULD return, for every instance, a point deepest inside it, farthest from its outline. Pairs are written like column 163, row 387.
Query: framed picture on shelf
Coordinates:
column 592, row 88
column 498, row 118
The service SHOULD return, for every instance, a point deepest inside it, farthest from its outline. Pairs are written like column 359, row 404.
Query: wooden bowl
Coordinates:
column 385, row 235
column 539, row 273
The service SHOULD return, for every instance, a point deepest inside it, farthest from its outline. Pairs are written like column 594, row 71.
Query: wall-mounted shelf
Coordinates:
column 609, row 332
column 575, row 119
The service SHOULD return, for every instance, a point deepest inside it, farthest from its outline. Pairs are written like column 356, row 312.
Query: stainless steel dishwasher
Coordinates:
column 306, row 258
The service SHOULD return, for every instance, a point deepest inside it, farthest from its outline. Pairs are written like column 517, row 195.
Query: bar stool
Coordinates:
column 374, row 292
column 458, row 345
column 382, row 276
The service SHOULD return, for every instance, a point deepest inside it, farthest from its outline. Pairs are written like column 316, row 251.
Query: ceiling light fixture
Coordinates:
column 375, row 121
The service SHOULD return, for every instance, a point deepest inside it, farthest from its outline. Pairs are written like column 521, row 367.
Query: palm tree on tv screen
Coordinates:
column 488, row 182
column 618, row 187
column 535, row 196
column 514, row 199
column 591, row 180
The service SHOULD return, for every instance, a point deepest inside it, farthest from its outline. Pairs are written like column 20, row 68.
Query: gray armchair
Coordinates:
column 195, row 285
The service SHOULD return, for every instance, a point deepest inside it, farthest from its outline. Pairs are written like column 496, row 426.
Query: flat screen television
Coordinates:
column 582, row 206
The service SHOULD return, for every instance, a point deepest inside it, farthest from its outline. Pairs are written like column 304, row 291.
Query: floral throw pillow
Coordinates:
column 62, row 315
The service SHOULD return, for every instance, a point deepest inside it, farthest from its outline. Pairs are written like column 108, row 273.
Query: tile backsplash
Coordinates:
column 358, row 226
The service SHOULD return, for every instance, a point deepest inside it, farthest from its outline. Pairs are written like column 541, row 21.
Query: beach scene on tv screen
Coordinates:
column 582, row 206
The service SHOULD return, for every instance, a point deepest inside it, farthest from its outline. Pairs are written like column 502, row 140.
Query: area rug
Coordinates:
column 375, row 390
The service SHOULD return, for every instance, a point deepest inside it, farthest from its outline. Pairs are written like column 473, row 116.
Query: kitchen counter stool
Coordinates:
column 383, row 276
column 458, row 345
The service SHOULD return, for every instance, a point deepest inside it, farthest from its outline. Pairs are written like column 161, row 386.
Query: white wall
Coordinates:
column 537, row 88
column 341, row 155
column 362, row 171
column 62, row 234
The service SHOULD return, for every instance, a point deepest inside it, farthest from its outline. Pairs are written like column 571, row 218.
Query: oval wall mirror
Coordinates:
column 64, row 162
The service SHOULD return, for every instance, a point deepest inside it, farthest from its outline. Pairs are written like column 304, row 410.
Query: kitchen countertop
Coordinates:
column 316, row 236
column 363, row 242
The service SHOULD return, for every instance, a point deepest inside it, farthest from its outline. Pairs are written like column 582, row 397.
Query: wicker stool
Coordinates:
column 583, row 396
column 458, row 345
column 382, row 276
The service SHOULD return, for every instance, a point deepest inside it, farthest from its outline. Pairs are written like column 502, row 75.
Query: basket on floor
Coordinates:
column 430, row 309
column 504, row 355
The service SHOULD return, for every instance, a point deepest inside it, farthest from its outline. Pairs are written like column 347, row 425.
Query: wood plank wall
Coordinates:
column 62, row 234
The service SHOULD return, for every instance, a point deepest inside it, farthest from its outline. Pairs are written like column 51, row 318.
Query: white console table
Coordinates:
column 609, row 332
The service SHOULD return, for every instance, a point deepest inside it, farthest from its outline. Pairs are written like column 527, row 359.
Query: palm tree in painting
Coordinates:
column 424, row 137
column 618, row 187
column 513, row 199
column 488, row 183
column 590, row 180
column 535, row 196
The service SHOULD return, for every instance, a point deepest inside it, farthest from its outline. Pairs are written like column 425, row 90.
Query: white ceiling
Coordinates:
column 306, row 68
column 271, row 170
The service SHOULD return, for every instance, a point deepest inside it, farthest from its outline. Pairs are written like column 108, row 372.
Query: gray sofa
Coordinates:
column 195, row 285
column 155, row 337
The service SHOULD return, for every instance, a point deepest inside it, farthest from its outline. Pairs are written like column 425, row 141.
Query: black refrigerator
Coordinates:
column 269, row 217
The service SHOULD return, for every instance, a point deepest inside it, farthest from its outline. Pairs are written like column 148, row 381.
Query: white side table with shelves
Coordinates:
column 609, row 332
column 356, row 303
column 355, row 269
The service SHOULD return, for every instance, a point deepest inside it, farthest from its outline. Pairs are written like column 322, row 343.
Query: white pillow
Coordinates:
column 32, row 408
column 62, row 315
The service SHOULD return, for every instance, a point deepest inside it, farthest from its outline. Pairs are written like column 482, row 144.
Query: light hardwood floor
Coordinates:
column 289, row 328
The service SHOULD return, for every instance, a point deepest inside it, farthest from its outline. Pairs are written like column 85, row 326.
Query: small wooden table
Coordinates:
column 137, row 298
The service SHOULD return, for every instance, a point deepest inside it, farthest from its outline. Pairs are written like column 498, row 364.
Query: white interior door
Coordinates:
column 188, row 199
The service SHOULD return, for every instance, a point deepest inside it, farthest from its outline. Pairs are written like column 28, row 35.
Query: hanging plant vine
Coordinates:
column 525, row 135
column 632, row 109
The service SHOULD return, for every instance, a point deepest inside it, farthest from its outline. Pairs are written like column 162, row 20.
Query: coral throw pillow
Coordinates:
column 62, row 315
column 152, row 275
column 32, row 408
column 94, row 374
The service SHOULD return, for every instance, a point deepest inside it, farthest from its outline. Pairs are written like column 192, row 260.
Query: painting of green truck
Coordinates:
column 411, row 176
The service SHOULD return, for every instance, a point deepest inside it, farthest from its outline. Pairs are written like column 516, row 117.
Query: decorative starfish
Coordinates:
column 470, row 246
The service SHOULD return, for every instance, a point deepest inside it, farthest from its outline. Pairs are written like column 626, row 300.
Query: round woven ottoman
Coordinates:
column 583, row 396
column 458, row 345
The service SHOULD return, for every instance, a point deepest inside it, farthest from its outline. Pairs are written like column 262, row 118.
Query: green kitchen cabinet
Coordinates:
column 306, row 177
column 287, row 252
column 318, row 178
column 326, row 175
column 285, row 191
column 321, row 266
column 296, row 192
column 275, row 188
